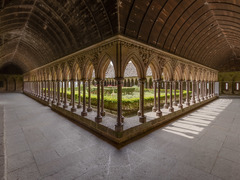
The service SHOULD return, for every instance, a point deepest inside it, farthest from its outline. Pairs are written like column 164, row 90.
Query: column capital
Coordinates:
column 142, row 80
column 119, row 78
column 98, row 79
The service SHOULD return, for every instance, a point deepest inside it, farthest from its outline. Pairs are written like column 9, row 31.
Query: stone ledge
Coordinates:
column 125, row 135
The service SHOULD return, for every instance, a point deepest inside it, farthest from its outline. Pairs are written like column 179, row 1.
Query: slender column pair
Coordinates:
column 58, row 93
column 193, row 92
column 98, row 118
column 120, row 118
column 187, row 96
column 65, row 105
column 165, row 86
column 142, row 117
column 171, row 109
column 180, row 94
column 197, row 87
column 73, row 109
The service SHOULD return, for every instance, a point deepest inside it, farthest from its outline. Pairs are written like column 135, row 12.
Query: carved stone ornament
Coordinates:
column 145, row 55
column 174, row 64
column 161, row 62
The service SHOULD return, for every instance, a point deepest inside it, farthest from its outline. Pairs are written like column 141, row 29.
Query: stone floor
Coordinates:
column 41, row 144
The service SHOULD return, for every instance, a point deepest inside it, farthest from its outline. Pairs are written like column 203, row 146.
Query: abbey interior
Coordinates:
column 119, row 89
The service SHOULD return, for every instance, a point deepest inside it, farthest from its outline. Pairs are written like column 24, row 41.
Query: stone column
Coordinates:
column 49, row 91
column 159, row 112
column 201, row 90
column 166, row 104
column 213, row 89
column 187, row 98
column 180, row 94
column 175, row 93
column 98, row 119
column 89, row 109
column 45, row 90
column 62, row 92
column 54, row 92
column 65, row 94
column 197, row 86
column 119, row 125
column 102, row 99
column 84, row 113
column 154, row 109
column 206, row 90
column 42, row 90
column 58, row 93
column 193, row 92
column 79, row 94
column 171, row 109
column 142, row 117
column 73, row 109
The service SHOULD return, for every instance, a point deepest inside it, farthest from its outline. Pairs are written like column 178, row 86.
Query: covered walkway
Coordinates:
column 41, row 144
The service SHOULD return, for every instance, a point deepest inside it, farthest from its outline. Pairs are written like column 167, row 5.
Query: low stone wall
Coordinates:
column 2, row 145
column 120, row 137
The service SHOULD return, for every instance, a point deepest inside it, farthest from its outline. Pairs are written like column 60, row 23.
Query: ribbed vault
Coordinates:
column 36, row 32
column 204, row 31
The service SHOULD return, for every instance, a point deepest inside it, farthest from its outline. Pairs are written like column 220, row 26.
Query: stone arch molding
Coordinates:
column 119, row 51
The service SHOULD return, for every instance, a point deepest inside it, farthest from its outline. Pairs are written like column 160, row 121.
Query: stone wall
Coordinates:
column 11, row 83
column 228, row 82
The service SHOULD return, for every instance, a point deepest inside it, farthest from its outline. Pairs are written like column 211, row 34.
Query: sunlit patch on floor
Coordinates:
column 191, row 125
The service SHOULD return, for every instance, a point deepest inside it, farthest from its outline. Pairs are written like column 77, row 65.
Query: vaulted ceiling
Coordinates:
column 36, row 32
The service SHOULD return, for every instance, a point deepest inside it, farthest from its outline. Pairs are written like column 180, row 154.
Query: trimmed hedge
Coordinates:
column 127, row 104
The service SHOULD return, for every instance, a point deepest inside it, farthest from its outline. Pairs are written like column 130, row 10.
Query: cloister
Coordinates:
column 119, row 89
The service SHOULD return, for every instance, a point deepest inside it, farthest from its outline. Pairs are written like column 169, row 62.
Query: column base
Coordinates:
column 70, row 104
column 119, row 127
column 122, row 119
column 83, row 113
column 103, row 113
column 73, row 109
column 58, row 104
column 159, row 113
column 89, row 109
column 154, row 109
column 187, row 104
column 171, row 109
column 198, row 100
column 53, row 102
column 98, row 119
column 79, row 106
column 180, row 106
column 166, row 106
column 193, row 101
column 142, row 119
column 65, row 106
column 175, row 103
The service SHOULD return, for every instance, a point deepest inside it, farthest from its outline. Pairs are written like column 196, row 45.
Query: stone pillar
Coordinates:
column 119, row 125
column 159, row 112
column 45, row 90
column 187, row 98
column 49, row 91
column 166, row 104
column 89, row 109
column 193, row 92
column 54, row 92
column 84, row 113
column 62, row 91
column 142, row 117
column 213, row 89
column 171, row 109
column 58, row 93
column 73, row 109
column 180, row 94
column 79, row 94
column 206, row 90
column 175, row 93
column 98, row 119
column 154, row 109
column 65, row 94
column 197, row 86
column 102, row 99
column 42, row 90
